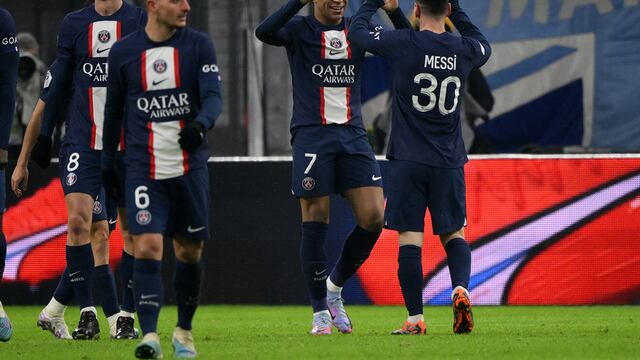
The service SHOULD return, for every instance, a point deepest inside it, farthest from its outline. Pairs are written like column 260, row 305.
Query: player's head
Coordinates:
column 171, row 13
column 433, row 8
column 329, row 11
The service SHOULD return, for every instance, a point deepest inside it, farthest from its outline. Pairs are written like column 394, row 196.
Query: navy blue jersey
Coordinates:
column 429, row 72
column 164, row 87
column 8, row 39
column 325, row 66
column 85, row 41
column 8, row 75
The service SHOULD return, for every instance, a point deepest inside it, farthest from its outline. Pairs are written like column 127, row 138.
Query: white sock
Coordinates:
column 89, row 308
column 127, row 314
column 326, row 312
column 2, row 313
column 113, row 320
column 333, row 288
column 55, row 308
column 415, row 318
column 459, row 287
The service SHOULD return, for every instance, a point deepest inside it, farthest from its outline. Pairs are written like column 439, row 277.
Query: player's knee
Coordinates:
column 445, row 238
column 188, row 252
column 78, row 225
column 374, row 222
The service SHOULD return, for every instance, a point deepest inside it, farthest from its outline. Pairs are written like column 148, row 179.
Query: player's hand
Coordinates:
column 455, row 4
column 111, row 184
column 390, row 6
column 19, row 180
column 191, row 136
column 41, row 152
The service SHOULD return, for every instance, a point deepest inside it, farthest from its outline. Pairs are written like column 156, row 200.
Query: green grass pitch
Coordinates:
column 280, row 332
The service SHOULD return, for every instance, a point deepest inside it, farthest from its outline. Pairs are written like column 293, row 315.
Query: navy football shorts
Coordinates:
column 331, row 159
column 80, row 173
column 413, row 187
column 176, row 206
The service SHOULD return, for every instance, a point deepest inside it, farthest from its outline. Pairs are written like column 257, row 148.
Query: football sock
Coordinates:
column 459, row 260
column 187, row 279
column 313, row 259
column 410, row 277
column 148, row 292
column 415, row 319
column 55, row 308
column 64, row 291
column 333, row 291
column 126, row 274
column 80, row 264
column 3, row 253
column 105, row 286
column 356, row 250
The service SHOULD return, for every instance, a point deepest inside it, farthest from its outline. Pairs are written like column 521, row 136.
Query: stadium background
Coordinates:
column 540, row 228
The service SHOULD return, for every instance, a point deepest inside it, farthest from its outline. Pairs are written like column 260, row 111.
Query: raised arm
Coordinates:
column 396, row 15
column 378, row 42
column 469, row 30
column 272, row 31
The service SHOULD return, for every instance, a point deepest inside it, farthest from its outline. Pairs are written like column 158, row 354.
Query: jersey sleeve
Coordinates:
column 209, row 84
column 114, row 108
column 60, row 89
column 374, row 40
column 477, row 46
column 274, row 30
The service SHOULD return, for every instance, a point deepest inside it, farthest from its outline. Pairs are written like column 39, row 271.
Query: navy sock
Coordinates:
column 3, row 253
column 313, row 259
column 64, row 291
column 126, row 273
column 80, row 264
column 105, row 286
column 356, row 250
column 186, row 283
column 459, row 260
column 148, row 292
column 410, row 276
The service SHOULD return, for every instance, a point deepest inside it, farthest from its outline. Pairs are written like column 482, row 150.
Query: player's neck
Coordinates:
column 108, row 7
column 326, row 21
column 158, row 32
column 432, row 24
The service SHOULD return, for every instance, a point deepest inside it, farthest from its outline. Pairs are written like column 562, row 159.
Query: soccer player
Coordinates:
column 8, row 80
column 331, row 153
column 84, row 43
column 167, row 79
column 426, row 153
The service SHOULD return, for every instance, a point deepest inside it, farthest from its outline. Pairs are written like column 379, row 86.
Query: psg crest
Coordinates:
column 71, row 179
column 160, row 66
column 308, row 183
column 335, row 43
column 104, row 36
column 97, row 207
column 143, row 217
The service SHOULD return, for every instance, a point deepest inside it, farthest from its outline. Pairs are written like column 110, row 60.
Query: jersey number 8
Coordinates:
column 433, row 98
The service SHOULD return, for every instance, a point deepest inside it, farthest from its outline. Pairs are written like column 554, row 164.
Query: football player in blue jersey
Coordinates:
column 167, row 78
column 426, row 152
column 8, row 80
column 84, row 42
column 331, row 153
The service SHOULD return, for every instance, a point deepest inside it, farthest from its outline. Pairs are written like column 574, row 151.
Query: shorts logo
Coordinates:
column 160, row 66
column 143, row 217
column 97, row 207
column 71, row 179
column 308, row 183
column 104, row 36
column 335, row 43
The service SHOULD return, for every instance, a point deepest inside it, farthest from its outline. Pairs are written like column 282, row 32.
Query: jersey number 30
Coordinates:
column 430, row 92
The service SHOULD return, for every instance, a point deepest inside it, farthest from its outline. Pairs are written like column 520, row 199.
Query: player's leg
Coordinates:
column 126, row 322
column 51, row 318
column 6, row 330
column 103, row 279
column 312, row 181
column 448, row 199
column 406, row 206
column 147, row 204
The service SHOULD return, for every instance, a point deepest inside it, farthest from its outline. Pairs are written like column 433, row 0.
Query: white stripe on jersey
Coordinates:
column 160, row 69
column 97, row 99
column 102, row 36
column 168, row 160
column 335, row 105
column 335, row 45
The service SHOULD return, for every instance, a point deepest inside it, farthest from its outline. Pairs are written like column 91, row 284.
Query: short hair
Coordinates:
column 434, row 7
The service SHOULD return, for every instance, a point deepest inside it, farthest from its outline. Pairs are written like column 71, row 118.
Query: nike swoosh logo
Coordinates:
column 144, row 297
column 159, row 82
column 74, row 274
column 334, row 52
column 100, row 51
column 111, row 222
column 376, row 178
column 192, row 230
column 320, row 272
